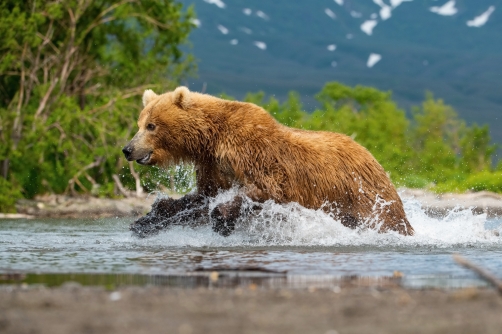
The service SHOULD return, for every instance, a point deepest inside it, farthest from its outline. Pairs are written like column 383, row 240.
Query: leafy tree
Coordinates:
column 476, row 149
column 434, row 134
column 446, row 148
column 68, row 73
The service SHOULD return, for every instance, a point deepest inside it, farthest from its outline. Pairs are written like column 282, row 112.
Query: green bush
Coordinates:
column 484, row 181
column 71, row 78
column 9, row 194
column 412, row 181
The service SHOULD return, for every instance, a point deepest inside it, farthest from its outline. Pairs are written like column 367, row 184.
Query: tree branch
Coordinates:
column 75, row 179
column 152, row 20
column 120, row 186
column 99, row 19
column 139, row 188
column 47, row 94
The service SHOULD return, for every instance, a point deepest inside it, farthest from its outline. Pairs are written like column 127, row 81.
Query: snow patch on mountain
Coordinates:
column 331, row 47
column 340, row 2
column 260, row 45
column 330, row 13
column 262, row 15
column 222, row 29
column 247, row 11
column 448, row 9
column 373, row 59
column 395, row 3
column 385, row 13
column 385, row 10
column 246, row 30
column 367, row 26
column 196, row 22
column 218, row 3
column 481, row 20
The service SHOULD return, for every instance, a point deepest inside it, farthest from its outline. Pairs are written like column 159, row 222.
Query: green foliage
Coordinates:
column 484, row 181
column 489, row 181
column 476, row 149
column 434, row 149
column 71, row 77
column 289, row 113
column 8, row 196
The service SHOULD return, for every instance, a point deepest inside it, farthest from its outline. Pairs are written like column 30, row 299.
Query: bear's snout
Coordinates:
column 140, row 155
column 127, row 150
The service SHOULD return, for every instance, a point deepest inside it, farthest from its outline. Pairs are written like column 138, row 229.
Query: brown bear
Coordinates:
column 240, row 144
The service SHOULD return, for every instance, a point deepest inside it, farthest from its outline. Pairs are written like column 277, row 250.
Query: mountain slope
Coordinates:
column 419, row 45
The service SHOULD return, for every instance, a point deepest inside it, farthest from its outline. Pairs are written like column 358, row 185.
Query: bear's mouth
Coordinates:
column 145, row 159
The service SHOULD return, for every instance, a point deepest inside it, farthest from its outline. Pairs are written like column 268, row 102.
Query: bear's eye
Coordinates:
column 150, row 127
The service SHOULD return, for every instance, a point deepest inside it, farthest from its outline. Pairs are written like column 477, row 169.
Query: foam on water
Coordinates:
column 292, row 225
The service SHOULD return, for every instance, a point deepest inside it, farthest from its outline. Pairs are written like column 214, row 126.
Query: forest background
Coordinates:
column 71, row 78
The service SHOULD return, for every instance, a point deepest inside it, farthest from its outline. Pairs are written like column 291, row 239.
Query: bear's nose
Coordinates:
column 127, row 150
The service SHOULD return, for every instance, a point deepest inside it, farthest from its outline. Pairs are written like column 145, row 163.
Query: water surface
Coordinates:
column 299, row 244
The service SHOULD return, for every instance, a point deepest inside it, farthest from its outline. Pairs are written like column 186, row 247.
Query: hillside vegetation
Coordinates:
column 71, row 78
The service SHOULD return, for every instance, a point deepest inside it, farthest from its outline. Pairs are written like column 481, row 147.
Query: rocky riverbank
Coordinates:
column 438, row 205
column 77, row 309
column 58, row 206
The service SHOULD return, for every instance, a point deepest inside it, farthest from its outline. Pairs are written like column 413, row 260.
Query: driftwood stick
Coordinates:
column 483, row 273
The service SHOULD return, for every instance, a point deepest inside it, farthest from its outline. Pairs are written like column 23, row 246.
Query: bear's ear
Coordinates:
column 181, row 97
column 148, row 96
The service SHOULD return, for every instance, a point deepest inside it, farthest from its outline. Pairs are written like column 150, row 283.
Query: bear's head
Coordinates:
column 167, row 127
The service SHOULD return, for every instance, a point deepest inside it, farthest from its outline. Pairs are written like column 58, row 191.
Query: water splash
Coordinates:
column 293, row 225
column 283, row 237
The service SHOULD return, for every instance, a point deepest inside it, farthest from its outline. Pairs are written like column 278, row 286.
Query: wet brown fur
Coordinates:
column 237, row 143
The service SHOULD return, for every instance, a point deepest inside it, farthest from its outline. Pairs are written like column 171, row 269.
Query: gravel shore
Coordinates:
column 77, row 309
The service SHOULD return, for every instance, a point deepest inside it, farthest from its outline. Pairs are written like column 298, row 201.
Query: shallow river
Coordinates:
column 300, row 246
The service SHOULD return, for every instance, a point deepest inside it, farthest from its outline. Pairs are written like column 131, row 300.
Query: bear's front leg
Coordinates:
column 190, row 210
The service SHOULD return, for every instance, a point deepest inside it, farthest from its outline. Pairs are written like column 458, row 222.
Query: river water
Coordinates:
column 299, row 244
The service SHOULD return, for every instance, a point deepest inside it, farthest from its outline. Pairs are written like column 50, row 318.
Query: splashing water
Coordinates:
column 282, row 237
column 293, row 225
